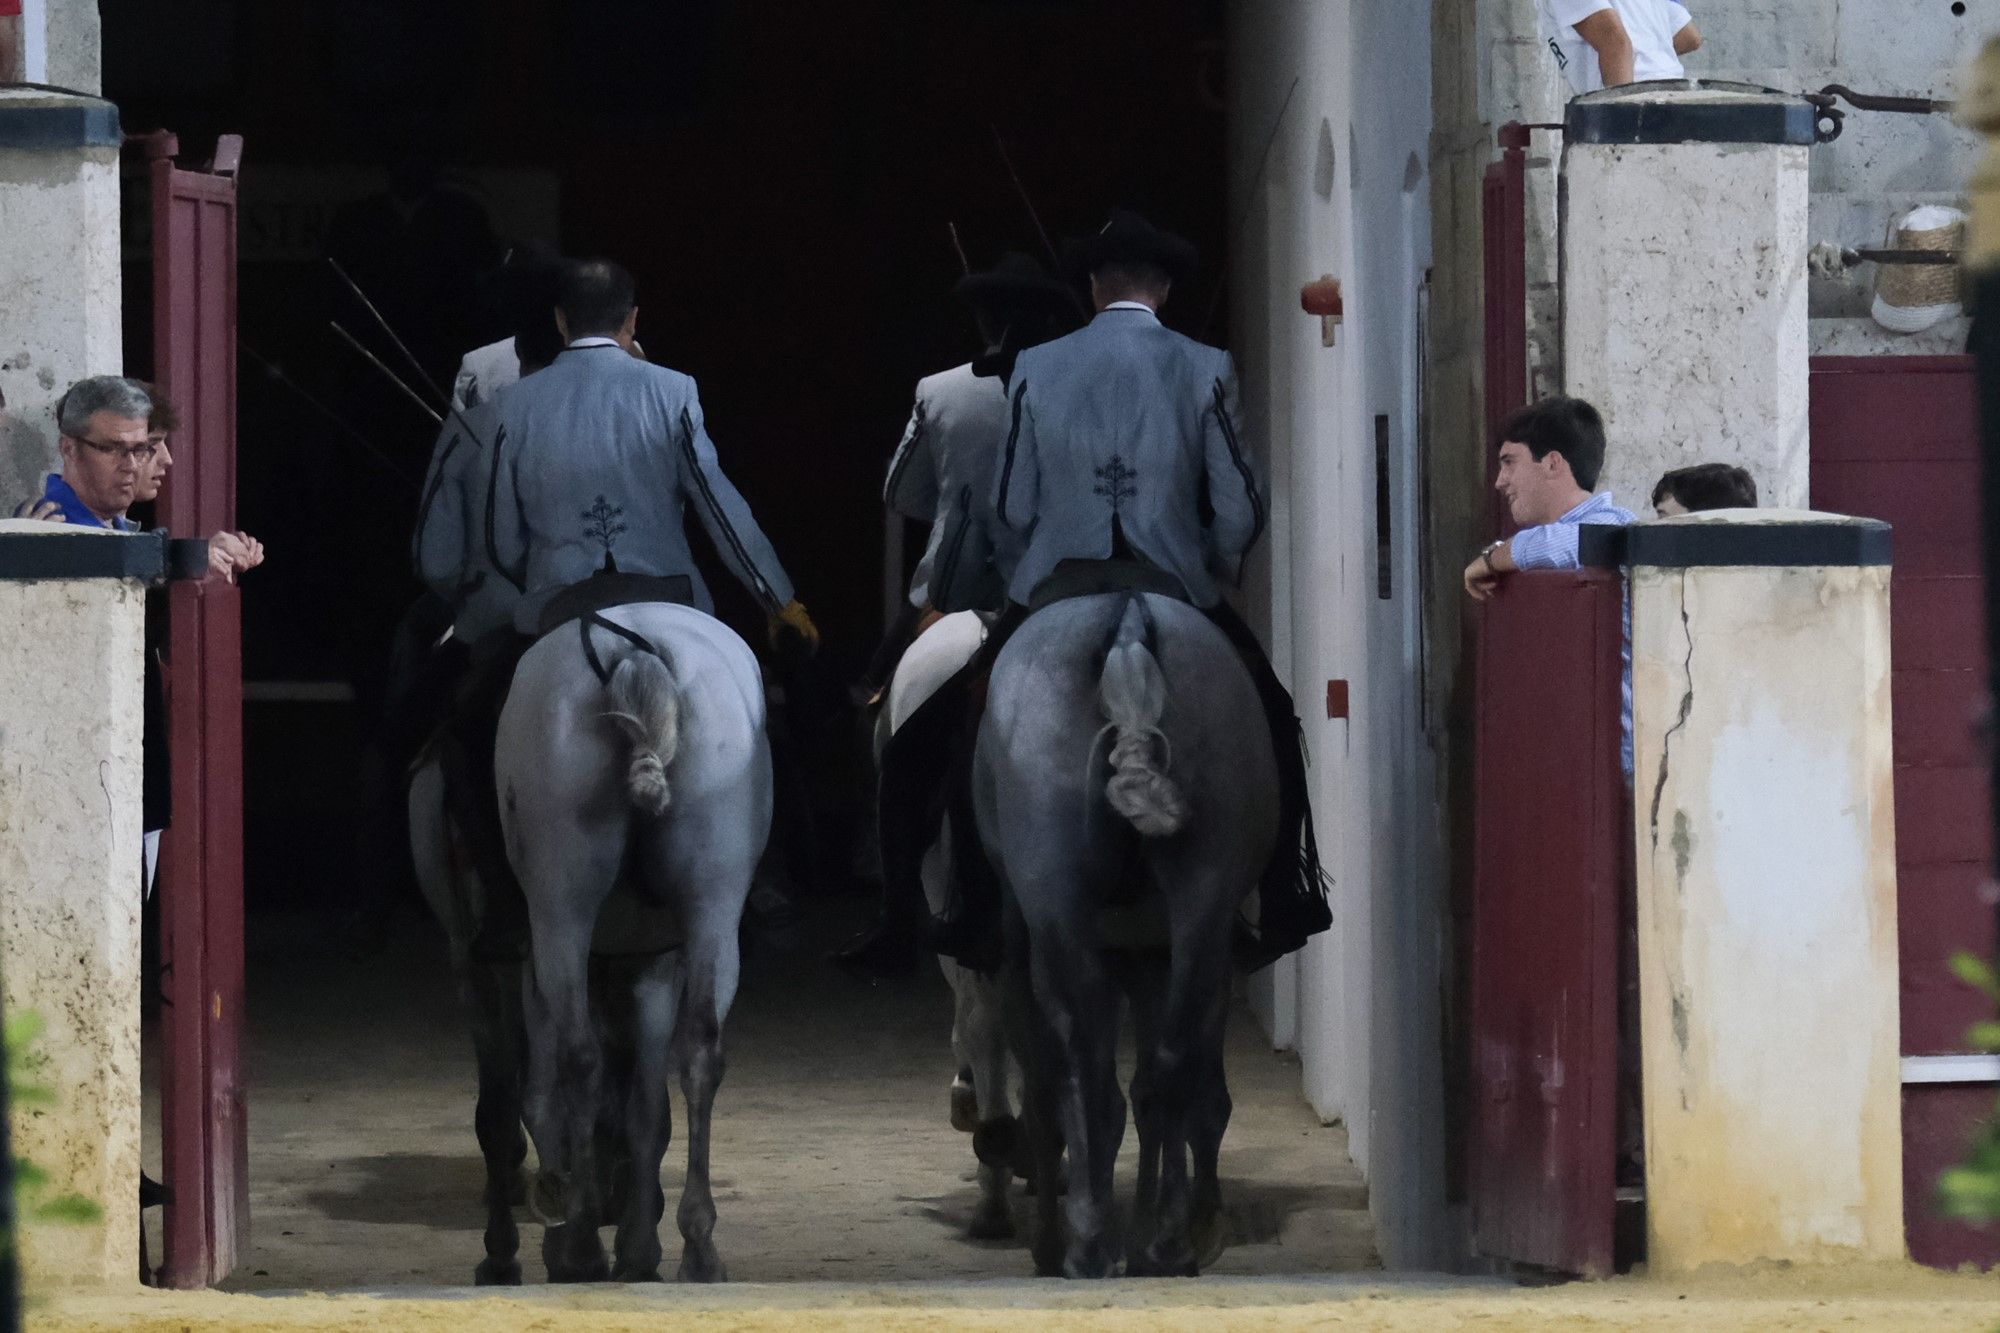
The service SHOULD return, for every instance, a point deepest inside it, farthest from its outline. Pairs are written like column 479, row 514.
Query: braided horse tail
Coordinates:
column 1132, row 690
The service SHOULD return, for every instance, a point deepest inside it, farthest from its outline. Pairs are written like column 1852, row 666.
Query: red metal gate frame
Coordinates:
column 205, row 1138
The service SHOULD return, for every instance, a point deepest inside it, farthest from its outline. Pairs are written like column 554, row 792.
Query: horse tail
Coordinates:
column 1133, row 693
column 647, row 708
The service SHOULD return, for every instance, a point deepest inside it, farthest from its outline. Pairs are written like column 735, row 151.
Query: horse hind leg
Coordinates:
column 712, row 970
column 996, row 1137
column 567, row 1137
column 498, row 1041
column 1188, row 1049
column 648, row 1113
column 1207, row 1231
column 1082, row 1008
column 1143, row 979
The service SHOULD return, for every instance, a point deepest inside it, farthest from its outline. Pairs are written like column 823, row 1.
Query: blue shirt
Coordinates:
column 1554, row 546
column 74, row 510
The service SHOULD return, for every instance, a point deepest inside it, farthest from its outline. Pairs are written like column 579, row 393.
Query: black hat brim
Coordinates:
column 1174, row 255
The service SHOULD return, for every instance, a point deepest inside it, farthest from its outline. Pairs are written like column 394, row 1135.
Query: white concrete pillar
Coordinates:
column 1684, row 280
column 60, row 294
column 1764, row 812
column 72, row 631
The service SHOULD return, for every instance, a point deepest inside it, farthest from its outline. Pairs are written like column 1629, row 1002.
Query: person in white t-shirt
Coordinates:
column 1603, row 43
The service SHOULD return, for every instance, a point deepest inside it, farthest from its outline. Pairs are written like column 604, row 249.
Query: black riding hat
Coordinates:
column 1129, row 239
column 1016, row 282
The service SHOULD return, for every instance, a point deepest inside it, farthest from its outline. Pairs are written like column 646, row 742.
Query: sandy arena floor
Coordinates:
column 843, row 1195
column 1904, row 1300
column 833, row 1156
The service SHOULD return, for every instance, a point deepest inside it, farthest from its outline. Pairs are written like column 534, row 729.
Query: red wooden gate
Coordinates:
column 205, row 1141
column 1551, row 824
column 1897, row 438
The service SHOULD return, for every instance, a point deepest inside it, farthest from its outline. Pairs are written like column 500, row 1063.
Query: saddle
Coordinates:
column 1089, row 578
column 608, row 588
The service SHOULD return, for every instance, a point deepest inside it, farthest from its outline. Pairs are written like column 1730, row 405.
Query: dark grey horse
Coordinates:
column 659, row 771
column 1122, row 759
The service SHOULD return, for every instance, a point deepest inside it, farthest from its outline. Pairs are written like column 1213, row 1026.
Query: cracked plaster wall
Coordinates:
column 1767, row 915
column 70, row 708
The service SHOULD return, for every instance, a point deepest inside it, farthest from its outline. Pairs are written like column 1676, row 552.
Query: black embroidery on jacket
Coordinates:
column 1116, row 482
column 603, row 522
column 903, row 456
column 1242, row 465
column 1013, row 438
column 707, row 492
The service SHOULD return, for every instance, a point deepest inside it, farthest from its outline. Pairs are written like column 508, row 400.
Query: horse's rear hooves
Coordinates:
column 698, row 1267
column 494, row 1272
column 1156, row 1261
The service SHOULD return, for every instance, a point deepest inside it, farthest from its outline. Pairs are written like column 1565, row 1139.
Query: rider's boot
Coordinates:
column 969, row 929
column 1291, row 896
column 916, row 766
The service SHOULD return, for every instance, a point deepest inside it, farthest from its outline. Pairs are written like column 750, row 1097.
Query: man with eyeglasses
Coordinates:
column 113, row 441
column 106, row 448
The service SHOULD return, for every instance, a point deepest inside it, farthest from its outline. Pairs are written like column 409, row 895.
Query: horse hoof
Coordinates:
column 997, row 1142
column 574, row 1255
column 635, row 1274
column 497, row 1273
column 1210, row 1238
column 1157, row 1261
column 992, row 1222
column 697, row 1266
column 1048, row 1260
column 964, row 1107
column 1088, row 1262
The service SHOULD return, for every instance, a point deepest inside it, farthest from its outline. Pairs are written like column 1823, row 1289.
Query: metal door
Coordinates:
column 205, row 1140
column 1897, row 438
column 1551, row 827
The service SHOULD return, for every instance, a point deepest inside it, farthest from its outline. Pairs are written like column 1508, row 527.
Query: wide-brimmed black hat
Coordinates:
column 1129, row 239
column 1016, row 282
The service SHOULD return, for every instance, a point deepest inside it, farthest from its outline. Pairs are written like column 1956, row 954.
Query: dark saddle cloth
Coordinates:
column 608, row 588
column 1088, row 578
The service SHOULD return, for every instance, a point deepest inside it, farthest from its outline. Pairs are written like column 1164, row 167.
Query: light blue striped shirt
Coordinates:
column 1554, row 546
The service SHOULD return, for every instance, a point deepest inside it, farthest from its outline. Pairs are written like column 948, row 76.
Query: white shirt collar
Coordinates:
column 594, row 341
column 1132, row 305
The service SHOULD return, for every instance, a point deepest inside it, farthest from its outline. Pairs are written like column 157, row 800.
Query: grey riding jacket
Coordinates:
column 601, row 458
column 1123, row 427
column 942, row 474
column 449, row 546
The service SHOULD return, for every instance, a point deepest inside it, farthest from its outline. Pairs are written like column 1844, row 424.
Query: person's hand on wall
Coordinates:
column 233, row 553
column 40, row 507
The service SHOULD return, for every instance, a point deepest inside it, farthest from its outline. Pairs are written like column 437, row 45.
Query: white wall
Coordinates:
column 1347, row 193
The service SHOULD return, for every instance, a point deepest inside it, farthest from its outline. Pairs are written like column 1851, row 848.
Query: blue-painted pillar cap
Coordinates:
column 1764, row 538
column 33, row 551
column 1690, row 111
column 40, row 121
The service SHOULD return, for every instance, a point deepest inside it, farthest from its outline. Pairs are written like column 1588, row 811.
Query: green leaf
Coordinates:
column 1977, row 973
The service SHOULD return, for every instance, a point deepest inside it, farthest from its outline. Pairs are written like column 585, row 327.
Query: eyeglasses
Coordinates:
column 122, row 453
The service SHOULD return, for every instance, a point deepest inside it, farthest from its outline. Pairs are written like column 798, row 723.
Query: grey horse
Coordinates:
column 981, row 1101
column 633, row 743
column 1121, row 761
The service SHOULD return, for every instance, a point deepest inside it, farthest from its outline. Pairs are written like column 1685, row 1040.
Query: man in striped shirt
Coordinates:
column 1551, row 455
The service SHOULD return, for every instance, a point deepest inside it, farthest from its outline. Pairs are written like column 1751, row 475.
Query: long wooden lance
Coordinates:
column 388, row 374
column 1249, row 204
column 1034, row 215
column 383, row 323
column 277, row 374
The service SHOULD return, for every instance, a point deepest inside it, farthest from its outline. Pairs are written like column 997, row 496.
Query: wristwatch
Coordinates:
column 1486, row 556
